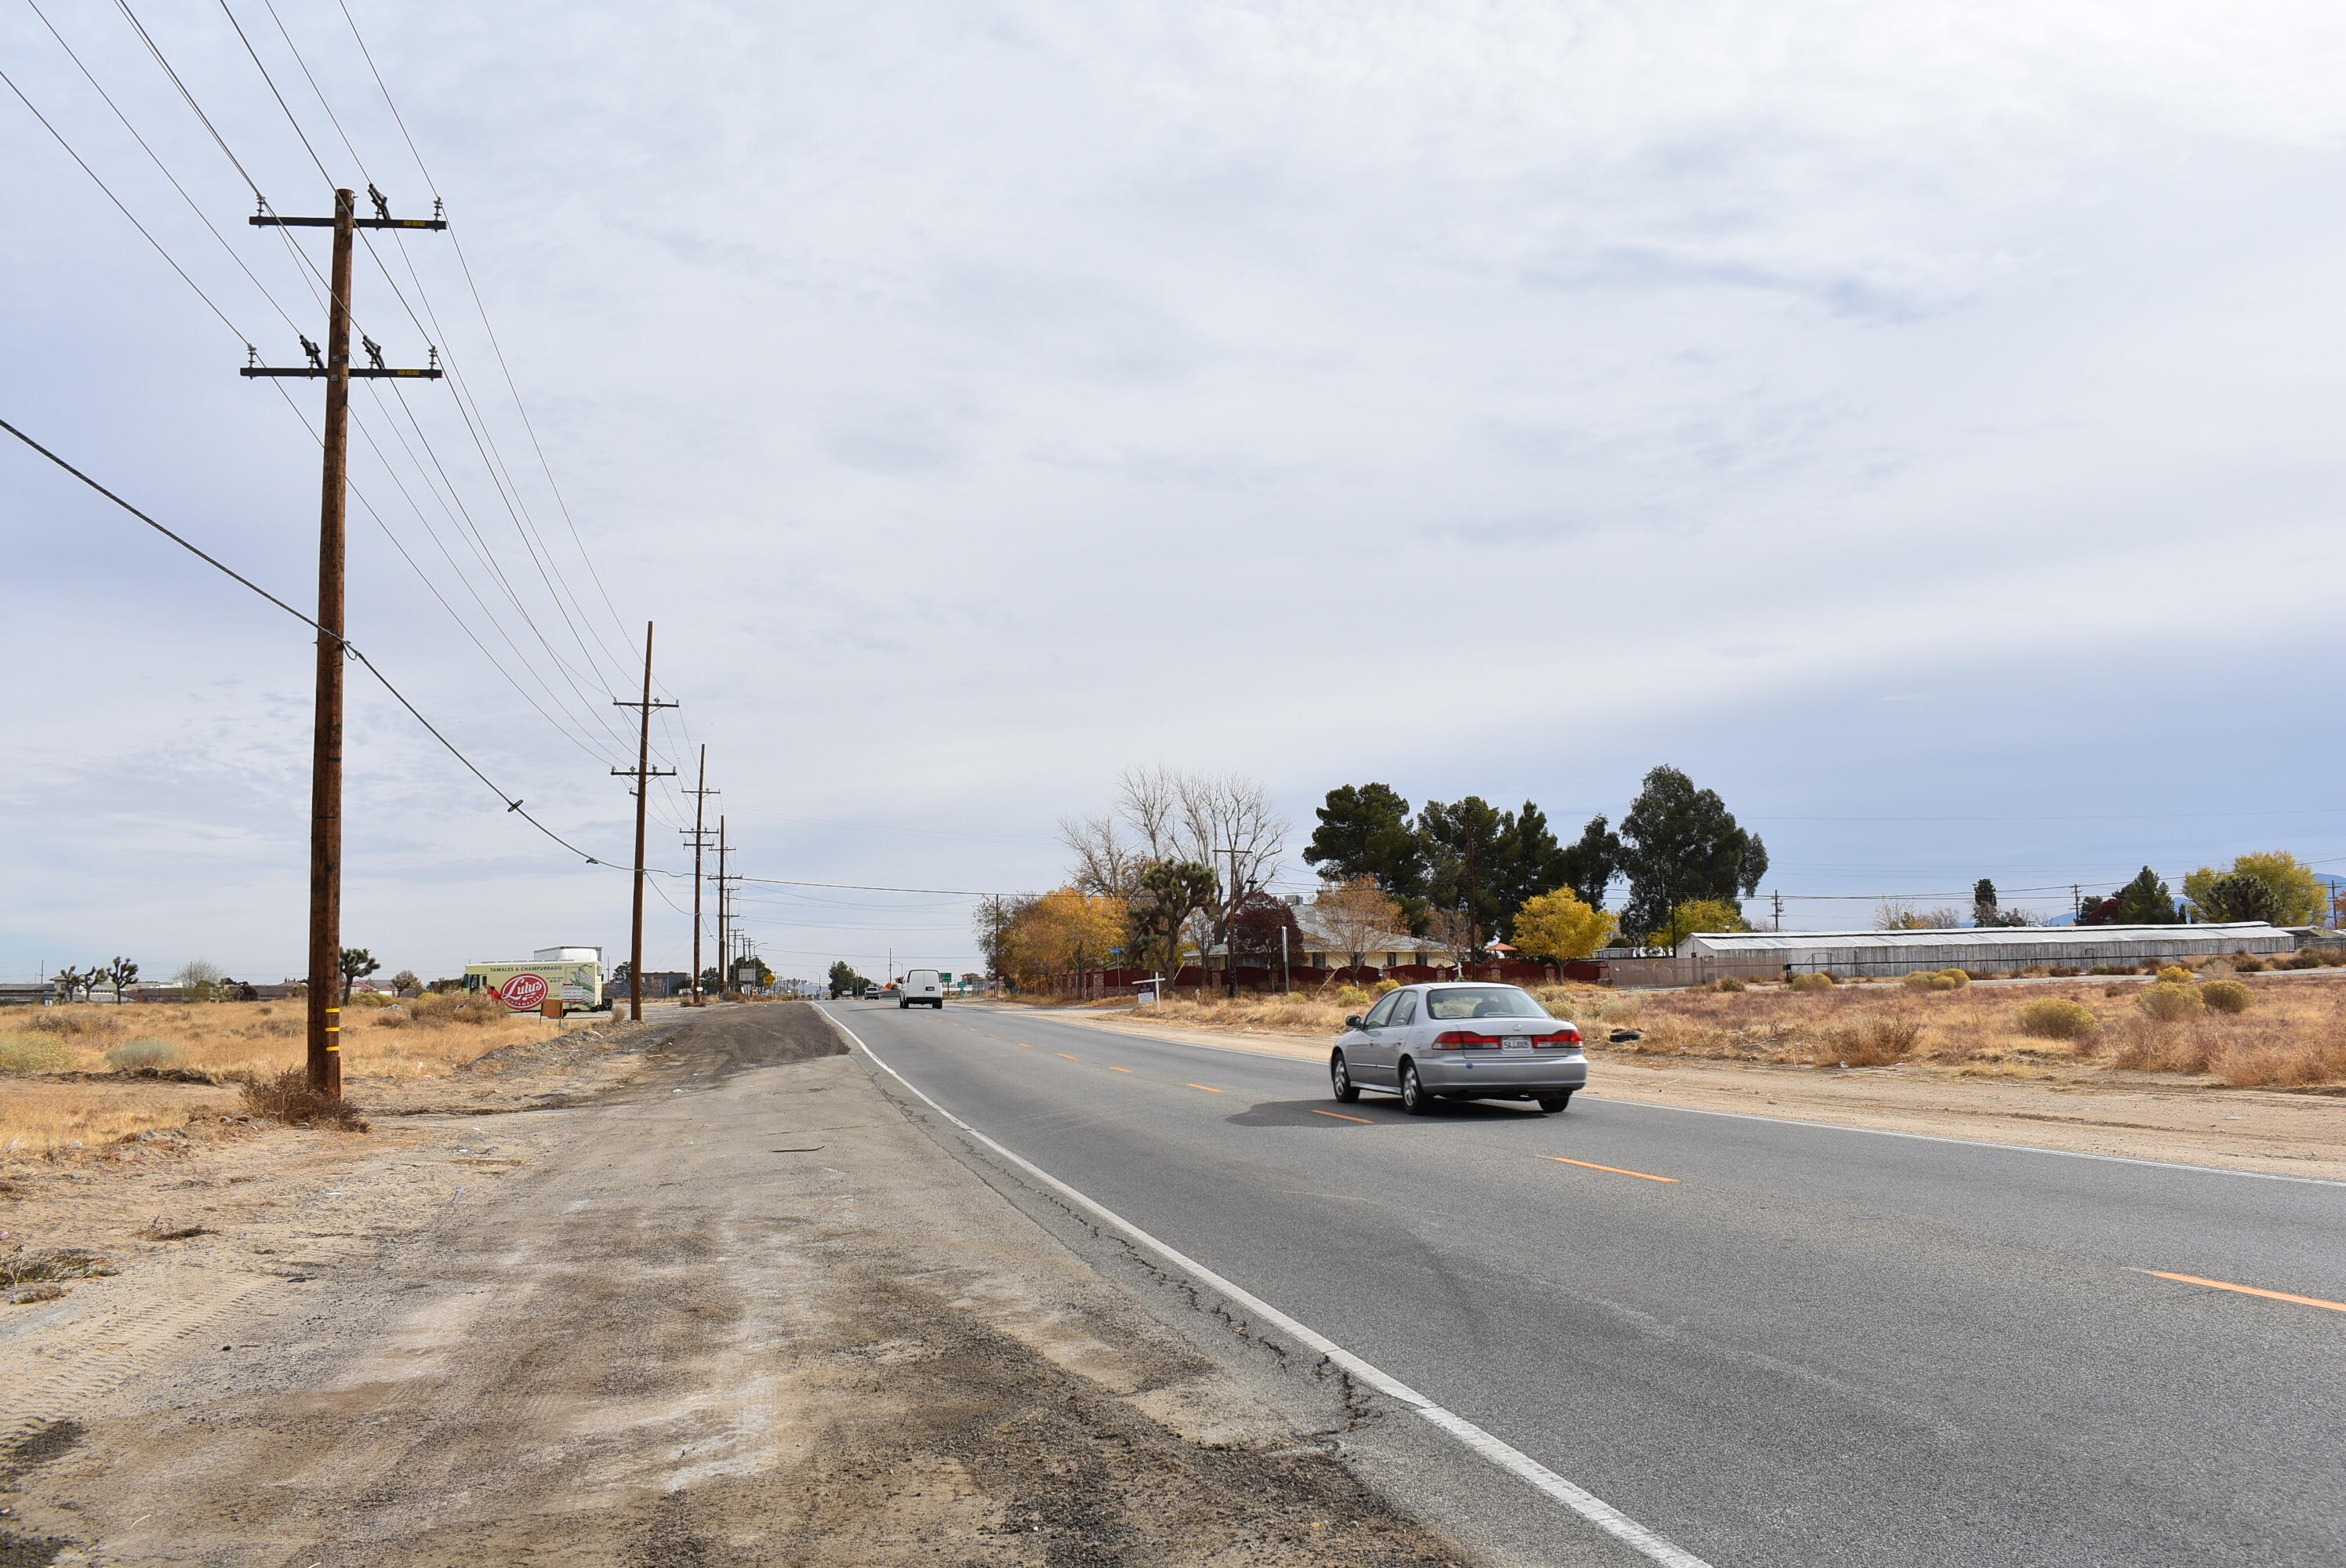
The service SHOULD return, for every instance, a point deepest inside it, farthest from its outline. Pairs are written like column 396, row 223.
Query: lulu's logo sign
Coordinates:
column 524, row 993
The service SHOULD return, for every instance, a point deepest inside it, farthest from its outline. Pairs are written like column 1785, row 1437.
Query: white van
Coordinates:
column 922, row 985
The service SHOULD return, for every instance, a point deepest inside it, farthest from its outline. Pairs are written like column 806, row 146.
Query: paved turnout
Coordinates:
column 1775, row 1344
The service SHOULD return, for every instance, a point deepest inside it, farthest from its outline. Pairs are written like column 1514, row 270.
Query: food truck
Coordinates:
column 575, row 974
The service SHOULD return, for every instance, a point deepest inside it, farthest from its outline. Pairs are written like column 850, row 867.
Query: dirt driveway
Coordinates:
column 741, row 1311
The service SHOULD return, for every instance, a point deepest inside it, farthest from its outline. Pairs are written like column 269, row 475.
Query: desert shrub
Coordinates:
column 1382, row 986
column 1817, row 982
column 1937, row 979
column 2228, row 996
column 2056, row 1018
column 393, row 1018
column 2064, row 971
column 367, row 999
column 2032, row 972
column 2308, row 959
column 31, row 1054
column 145, row 1052
column 2175, row 974
column 2111, row 969
column 1351, row 996
column 1727, row 984
column 2332, row 956
column 1978, row 973
column 1873, row 1041
column 73, row 1021
column 1920, row 980
column 1295, row 996
column 287, row 1098
column 2169, row 1002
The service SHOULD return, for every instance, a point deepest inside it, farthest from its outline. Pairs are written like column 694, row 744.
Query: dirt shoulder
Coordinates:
column 2234, row 1129
column 735, row 1307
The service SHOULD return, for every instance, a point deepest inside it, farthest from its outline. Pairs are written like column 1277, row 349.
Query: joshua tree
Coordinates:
column 357, row 965
column 119, row 973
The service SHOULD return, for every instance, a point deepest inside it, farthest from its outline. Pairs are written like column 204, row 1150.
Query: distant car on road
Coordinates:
column 922, row 988
column 1453, row 1041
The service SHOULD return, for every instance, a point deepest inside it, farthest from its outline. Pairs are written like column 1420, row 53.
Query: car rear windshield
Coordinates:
column 1482, row 1001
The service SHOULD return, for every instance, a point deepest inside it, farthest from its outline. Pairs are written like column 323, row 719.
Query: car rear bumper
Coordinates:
column 1494, row 1076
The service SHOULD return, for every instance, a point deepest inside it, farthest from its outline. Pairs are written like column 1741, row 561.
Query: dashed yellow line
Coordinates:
column 1341, row 1117
column 2247, row 1289
column 1616, row 1170
column 1207, row 1087
column 1065, row 1057
column 1114, row 1068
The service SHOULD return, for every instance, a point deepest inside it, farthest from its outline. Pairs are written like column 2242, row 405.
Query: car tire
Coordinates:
column 1413, row 1098
column 1551, row 1104
column 1340, row 1080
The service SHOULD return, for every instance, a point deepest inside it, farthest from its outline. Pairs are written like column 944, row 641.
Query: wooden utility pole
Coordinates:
column 699, row 836
column 643, row 772
column 724, row 938
column 323, row 993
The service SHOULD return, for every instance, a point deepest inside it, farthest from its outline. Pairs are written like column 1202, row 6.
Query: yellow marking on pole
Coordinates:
column 1616, row 1170
column 2247, row 1289
column 1341, row 1117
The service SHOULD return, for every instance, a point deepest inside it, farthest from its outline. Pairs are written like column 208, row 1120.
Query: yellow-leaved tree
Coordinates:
column 1061, row 930
column 1698, row 915
column 2276, row 886
column 1559, row 926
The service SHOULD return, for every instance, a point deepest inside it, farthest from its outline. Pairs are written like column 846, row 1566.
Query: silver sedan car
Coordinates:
column 1459, row 1041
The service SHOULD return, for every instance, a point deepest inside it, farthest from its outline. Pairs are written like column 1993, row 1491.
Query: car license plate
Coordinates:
column 1516, row 1044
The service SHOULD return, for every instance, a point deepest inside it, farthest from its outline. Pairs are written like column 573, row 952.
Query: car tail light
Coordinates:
column 1561, row 1038
column 1463, row 1040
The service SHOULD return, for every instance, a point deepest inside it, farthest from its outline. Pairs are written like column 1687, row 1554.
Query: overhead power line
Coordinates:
column 512, row 805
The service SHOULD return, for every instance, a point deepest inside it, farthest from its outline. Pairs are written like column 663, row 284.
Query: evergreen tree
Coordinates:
column 1463, row 846
column 2145, row 901
column 1364, row 831
column 1588, row 865
column 1531, row 863
column 1681, row 843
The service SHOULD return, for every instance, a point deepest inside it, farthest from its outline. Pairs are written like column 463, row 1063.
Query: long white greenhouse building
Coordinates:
column 1770, row 954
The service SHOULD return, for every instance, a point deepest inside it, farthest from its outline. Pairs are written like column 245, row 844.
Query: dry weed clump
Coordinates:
column 31, row 1054
column 1867, row 1040
column 2169, row 1002
column 426, row 1038
column 147, row 1051
column 288, row 1097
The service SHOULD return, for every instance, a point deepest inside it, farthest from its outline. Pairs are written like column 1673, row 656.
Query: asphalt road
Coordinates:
column 1806, row 1346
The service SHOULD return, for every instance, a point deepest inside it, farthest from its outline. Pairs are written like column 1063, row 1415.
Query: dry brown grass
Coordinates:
column 227, row 1040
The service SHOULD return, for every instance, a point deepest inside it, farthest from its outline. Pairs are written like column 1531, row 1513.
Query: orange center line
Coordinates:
column 2247, row 1289
column 1024, row 1047
column 1341, row 1117
column 1063, row 1053
column 1207, row 1087
column 1114, row 1068
column 1616, row 1170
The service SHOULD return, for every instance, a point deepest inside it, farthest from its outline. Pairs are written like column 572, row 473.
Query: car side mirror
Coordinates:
column 1353, row 1021
column 1623, row 1036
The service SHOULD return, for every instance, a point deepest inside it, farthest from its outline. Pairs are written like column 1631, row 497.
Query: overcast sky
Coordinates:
column 1918, row 424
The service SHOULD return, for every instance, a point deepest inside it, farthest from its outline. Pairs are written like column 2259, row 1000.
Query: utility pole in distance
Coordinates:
column 643, row 773
column 724, row 948
column 324, row 993
column 700, row 836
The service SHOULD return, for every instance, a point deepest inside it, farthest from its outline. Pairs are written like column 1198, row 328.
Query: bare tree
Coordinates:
column 1166, row 816
column 1357, row 917
column 1107, row 864
column 1453, row 929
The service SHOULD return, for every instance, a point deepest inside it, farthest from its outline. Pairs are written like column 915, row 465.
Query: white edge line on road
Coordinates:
column 1590, row 1506
column 1789, row 1121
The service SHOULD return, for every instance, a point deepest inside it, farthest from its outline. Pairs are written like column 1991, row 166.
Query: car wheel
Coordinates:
column 1551, row 1104
column 1413, row 1098
column 1340, row 1079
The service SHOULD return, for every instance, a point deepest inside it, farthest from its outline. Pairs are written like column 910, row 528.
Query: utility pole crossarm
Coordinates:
column 356, row 373
column 271, row 221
